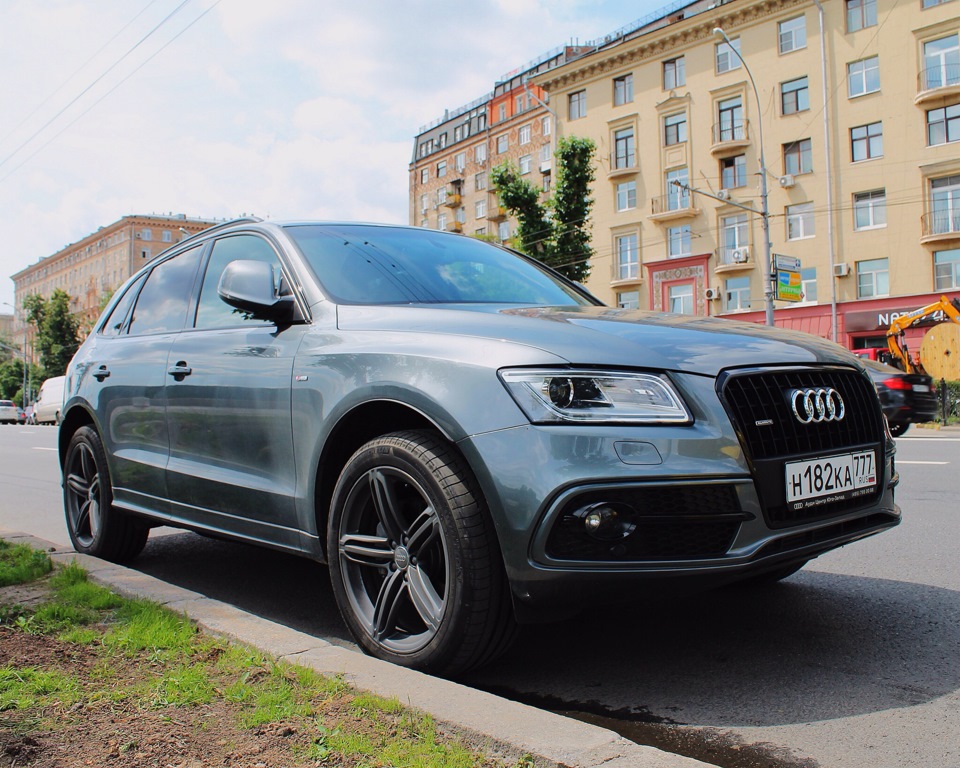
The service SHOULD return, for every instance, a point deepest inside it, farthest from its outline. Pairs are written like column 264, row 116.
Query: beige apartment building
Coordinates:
column 449, row 175
column 856, row 110
column 92, row 268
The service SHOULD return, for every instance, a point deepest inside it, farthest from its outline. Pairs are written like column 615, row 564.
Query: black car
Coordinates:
column 906, row 398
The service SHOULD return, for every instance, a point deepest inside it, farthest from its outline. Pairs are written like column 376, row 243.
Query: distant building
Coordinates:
column 449, row 175
column 92, row 268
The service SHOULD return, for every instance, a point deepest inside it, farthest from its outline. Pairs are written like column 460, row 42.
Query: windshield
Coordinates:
column 362, row 264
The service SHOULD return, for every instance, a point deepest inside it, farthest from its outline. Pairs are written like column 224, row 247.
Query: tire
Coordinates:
column 898, row 429
column 414, row 560
column 95, row 526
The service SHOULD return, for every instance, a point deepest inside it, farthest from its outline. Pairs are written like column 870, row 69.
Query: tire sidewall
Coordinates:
column 89, row 437
column 395, row 454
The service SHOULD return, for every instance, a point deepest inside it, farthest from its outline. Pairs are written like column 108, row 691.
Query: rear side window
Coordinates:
column 163, row 302
column 115, row 324
column 214, row 312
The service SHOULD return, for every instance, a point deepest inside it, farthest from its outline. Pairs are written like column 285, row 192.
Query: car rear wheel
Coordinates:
column 414, row 561
column 95, row 526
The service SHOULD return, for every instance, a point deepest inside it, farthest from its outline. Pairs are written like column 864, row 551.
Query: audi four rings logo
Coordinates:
column 816, row 406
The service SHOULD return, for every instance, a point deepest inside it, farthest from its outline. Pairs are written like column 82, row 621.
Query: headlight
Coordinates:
column 560, row 395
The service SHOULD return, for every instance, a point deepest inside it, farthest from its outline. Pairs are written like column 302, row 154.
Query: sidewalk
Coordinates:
column 505, row 727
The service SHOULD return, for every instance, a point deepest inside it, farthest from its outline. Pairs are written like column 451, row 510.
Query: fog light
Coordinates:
column 607, row 522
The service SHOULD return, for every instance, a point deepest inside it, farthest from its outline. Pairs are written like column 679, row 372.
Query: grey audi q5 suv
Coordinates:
column 469, row 440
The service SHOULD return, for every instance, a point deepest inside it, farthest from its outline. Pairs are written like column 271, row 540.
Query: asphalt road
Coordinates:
column 853, row 662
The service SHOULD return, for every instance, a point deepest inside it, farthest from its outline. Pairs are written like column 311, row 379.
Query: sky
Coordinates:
column 284, row 109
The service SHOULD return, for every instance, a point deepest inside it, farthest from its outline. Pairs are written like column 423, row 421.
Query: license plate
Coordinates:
column 831, row 478
column 921, row 388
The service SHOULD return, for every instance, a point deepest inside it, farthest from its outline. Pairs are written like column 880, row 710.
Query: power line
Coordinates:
column 97, row 80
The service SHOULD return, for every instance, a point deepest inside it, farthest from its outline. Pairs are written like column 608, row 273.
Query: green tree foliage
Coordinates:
column 56, row 327
column 11, row 380
column 555, row 232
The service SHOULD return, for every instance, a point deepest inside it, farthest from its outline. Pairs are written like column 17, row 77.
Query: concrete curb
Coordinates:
column 503, row 727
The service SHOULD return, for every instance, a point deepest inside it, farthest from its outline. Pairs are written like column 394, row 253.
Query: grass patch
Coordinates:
column 26, row 687
column 20, row 564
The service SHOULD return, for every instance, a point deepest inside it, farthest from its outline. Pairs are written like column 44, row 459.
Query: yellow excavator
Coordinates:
column 896, row 341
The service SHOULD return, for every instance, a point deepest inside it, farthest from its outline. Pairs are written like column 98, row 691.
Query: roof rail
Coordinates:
column 214, row 228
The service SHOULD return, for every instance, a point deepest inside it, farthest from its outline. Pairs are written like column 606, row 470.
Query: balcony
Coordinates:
column 673, row 207
column 940, row 226
column 496, row 212
column 734, row 259
column 622, row 165
column 454, row 226
column 938, row 82
column 453, row 200
column 730, row 138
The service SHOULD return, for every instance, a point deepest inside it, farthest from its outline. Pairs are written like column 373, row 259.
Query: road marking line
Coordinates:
column 932, row 439
column 38, row 448
column 922, row 462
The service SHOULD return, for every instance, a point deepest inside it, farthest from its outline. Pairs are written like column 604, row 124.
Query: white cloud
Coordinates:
column 288, row 109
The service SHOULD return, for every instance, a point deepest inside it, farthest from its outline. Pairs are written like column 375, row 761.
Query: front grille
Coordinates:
column 758, row 405
column 672, row 523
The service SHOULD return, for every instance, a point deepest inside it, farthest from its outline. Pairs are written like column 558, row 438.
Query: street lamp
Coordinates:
column 764, row 207
column 23, row 352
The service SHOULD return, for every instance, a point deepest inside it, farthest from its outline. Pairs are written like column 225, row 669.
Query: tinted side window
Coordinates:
column 115, row 325
column 163, row 302
column 214, row 312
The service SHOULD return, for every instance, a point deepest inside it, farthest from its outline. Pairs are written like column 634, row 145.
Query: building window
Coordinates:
column 624, row 149
column 733, row 172
column 424, row 175
column 622, row 90
column 480, row 232
column 943, row 125
column 442, row 221
column 726, row 56
column 733, row 236
column 794, row 96
column 524, row 134
column 866, row 142
column 628, row 300
column 678, row 242
column 793, row 34
column 480, row 209
column 145, row 254
column 941, row 62
column 861, row 14
column 680, row 299
column 870, row 209
column 678, row 197
column 932, row 3
column 480, row 181
column 577, row 103
column 518, row 104
column 460, row 161
column 441, row 195
column 441, row 169
column 730, row 120
column 946, row 269
column 503, row 143
column 146, row 234
column 546, row 126
column 502, row 112
column 863, row 76
column 626, row 196
column 525, row 164
column 798, row 157
column 442, row 140
column 628, row 257
column 545, row 153
column 873, row 278
column 503, row 231
column 424, row 205
column 480, row 153
column 800, row 221
column 808, row 284
column 674, row 73
column 675, row 129
column 736, row 294
column 945, row 205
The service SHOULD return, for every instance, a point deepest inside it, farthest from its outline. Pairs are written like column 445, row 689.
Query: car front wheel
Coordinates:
column 414, row 561
column 95, row 527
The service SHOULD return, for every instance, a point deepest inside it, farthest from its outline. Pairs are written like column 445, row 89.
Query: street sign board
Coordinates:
column 789, row 285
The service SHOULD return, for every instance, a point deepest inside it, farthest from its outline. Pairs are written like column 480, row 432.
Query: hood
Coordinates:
column 608, row 337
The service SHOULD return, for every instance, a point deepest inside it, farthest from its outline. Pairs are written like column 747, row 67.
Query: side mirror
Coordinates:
column 249, row 286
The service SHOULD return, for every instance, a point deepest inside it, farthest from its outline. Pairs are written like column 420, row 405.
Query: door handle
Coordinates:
column 102, row 373
column 180, row 370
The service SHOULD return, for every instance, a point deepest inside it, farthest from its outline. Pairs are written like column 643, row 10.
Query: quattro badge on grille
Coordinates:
column 816, row 405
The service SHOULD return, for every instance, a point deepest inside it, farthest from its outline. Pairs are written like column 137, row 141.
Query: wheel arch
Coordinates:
column 75, row 418
column 356, row 427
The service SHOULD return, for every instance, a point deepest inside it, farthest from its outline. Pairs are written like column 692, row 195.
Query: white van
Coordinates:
column 49, row 401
